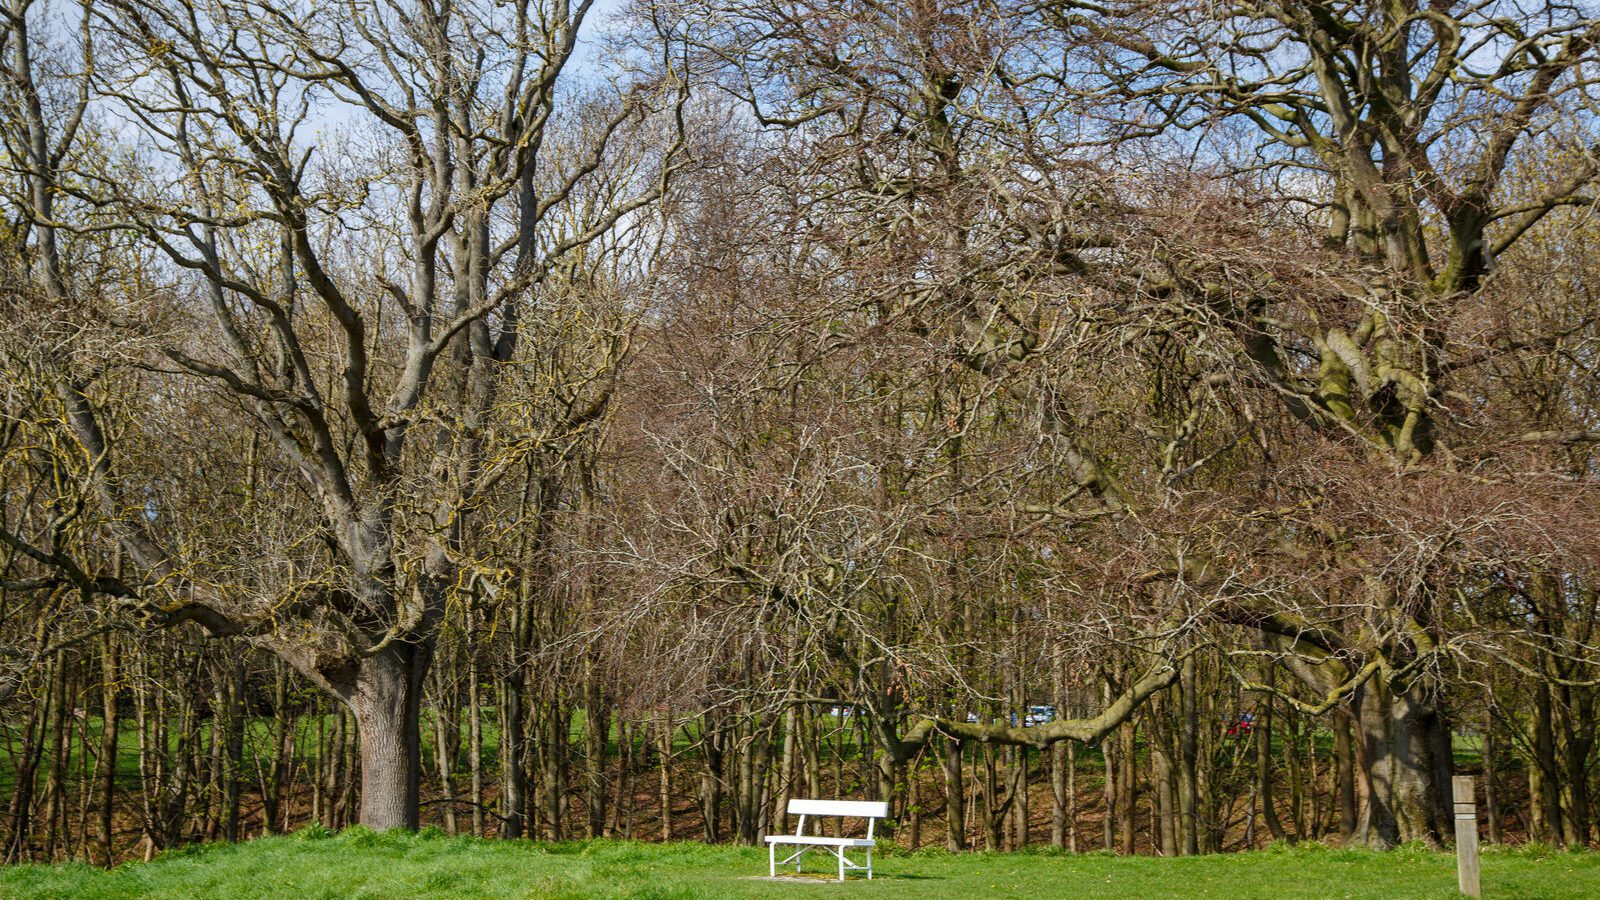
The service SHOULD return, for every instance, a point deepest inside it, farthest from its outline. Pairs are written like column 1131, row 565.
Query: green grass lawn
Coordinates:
column 359, row 863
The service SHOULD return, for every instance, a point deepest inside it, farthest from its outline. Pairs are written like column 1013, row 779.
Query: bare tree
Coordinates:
column 357, row 291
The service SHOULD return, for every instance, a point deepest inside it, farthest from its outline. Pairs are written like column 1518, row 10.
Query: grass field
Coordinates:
column 360, row 863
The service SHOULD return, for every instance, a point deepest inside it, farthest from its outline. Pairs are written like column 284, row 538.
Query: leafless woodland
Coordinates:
column 539, row 420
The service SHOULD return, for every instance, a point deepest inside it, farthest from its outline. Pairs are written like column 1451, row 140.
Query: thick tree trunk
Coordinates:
column 596, row 730
column 1022, row 815
column 1166, row 803
column 386, row 700
column 1108, row 821
column 106, row 765
column 712, row 752
column 891, row 777
column 1545, row 797
column 913, row 832
column 1188, row 760
column 475, row 735
column 1128, row 788
column 664, row 736
column 990, row 808
column 1344, row 760
column 24, row 781
column 1264, row 767
column 1058, row 793
column 1491, row 794
column 1072, row 794
column 333, row 774
column 56, row 770
column 749, row 768
column 445, row 764
column 954, row 797
column 1577, row 739
column 786, row 768
column 1404, row 741
column 233, row 751
column 513, row 770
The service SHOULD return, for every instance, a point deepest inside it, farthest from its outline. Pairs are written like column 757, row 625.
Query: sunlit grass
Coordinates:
column 360, row 863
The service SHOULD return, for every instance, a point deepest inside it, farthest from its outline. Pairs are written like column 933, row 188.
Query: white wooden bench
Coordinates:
column 855, row 809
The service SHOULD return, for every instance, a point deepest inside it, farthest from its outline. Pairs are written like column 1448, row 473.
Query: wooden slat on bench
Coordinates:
column 864, row 809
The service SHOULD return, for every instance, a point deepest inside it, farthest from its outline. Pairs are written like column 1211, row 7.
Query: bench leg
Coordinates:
column 869, row 863
column 772, row 860
column 840, row 851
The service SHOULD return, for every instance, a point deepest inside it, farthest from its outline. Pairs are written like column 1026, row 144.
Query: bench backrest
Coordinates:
column 862, row 809
column 858, row 809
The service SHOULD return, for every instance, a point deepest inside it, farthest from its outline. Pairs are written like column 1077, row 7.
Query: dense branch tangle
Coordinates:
column 933, row 363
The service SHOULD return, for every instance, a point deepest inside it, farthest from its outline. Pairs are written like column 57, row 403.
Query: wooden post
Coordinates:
column 1466, row 835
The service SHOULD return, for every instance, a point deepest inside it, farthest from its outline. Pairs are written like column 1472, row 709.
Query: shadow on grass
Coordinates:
column 833, row 878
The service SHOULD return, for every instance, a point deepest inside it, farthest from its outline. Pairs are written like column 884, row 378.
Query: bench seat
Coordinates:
column 819, row 839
